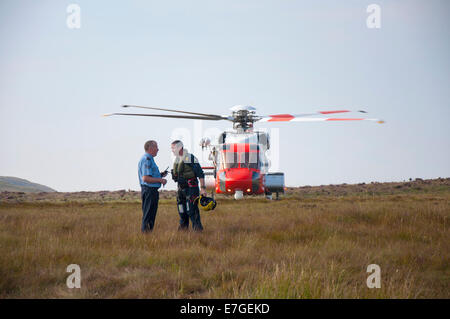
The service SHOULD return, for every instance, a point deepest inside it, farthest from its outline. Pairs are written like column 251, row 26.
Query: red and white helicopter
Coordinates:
column 239, row 162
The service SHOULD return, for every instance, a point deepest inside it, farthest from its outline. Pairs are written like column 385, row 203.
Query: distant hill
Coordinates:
column 14, row 184
column 330, row 193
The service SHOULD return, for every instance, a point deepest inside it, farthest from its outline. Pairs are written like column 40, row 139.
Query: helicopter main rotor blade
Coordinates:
column 292, row 118
column 314, row 113
column 170, row 116
column 177, row 111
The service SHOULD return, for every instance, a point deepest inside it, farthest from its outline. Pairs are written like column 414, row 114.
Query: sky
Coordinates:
column 206, row 56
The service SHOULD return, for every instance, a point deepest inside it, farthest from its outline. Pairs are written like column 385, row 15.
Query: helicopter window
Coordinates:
column 230, row 160
column 240, row 159
column 249, row 160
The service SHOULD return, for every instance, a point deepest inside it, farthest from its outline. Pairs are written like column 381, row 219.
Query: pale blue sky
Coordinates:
column 206, row 56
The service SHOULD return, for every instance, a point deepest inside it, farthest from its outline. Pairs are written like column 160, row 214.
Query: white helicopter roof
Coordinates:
column 237, row 108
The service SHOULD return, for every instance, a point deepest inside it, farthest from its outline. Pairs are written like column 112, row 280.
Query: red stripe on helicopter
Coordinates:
column 281, row 118
column 331, row 112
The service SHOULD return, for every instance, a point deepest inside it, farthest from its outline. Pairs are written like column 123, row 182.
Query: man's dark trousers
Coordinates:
column 150, row 197
column 188, row 209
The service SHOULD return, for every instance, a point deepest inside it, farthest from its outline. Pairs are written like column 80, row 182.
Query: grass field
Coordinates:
column 316, row 242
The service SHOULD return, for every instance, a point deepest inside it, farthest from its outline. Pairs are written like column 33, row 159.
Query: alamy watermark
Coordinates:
column 73, row 20
column 374, row 279
column 74, row 279
column 191, row 139
column 374, row 19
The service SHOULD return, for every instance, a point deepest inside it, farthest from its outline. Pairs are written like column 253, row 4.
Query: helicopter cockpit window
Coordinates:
column 230, row 160
column 249, row 160
column 240, row 159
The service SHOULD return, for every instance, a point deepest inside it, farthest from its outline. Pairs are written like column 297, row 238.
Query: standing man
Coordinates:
column 185, row 172
column 150, row 180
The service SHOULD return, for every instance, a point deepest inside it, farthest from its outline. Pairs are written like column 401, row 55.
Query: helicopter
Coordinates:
column 240, row 165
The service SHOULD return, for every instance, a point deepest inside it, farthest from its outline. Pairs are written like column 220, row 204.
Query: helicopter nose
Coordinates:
column 239, row 179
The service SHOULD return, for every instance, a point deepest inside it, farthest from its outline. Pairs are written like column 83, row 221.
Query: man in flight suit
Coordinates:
column 185, row 172
column 150, row 179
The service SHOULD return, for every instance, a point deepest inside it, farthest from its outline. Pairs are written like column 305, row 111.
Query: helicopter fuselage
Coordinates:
column 239, row 169
column 241, row 165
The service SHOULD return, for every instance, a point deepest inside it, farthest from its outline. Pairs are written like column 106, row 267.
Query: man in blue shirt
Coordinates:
column 150, row 179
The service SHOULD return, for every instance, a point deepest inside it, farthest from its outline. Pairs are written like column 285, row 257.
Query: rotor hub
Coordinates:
column 243, row 117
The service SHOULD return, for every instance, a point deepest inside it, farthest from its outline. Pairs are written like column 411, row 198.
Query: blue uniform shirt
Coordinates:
column 148, row 167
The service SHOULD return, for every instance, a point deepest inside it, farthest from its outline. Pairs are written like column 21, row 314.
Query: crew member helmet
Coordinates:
column 206, row 203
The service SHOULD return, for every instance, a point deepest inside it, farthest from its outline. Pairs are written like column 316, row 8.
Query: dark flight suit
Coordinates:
column 185, row 172
column 149, row 192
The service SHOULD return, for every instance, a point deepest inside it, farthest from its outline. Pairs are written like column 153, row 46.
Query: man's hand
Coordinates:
column 163, row 181
column 165, row 172
column 202, row 187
